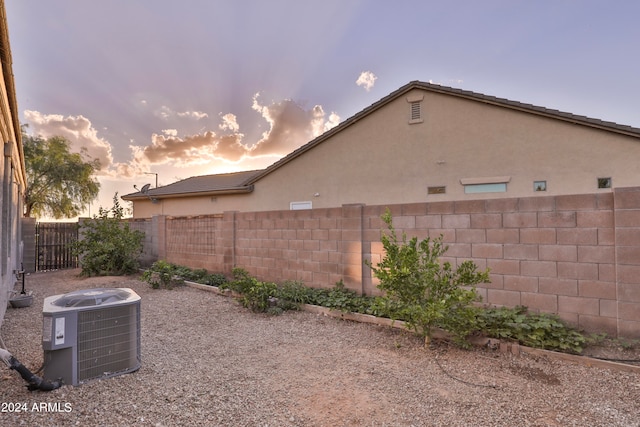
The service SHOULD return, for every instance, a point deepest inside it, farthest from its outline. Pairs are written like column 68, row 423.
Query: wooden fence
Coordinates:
column 54, row 245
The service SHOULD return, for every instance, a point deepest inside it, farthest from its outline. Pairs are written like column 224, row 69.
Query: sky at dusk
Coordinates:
column 192, row 87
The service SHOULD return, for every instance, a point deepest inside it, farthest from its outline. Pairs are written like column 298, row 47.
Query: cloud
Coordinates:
column 165, row 113
column 229, row 122
column 78, row 130
column 366, row 79
column 193, row 115
column 290, row 126
column 189, row 150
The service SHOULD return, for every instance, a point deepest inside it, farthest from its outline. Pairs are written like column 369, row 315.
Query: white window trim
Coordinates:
column 298, row 206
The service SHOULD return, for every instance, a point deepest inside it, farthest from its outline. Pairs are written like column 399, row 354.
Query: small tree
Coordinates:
column 108, row 246
column 59, row 183
column 425, row 292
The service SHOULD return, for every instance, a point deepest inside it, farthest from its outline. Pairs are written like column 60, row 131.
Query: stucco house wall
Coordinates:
column 196, row 205
column 12, row 172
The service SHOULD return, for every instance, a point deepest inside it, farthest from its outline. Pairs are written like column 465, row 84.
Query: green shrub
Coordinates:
column 260, row 296
column 108, row 246
column 294, row 291
column 241, row 282
column 162, row 275
column 215, row 279
column 425, row 292
column 186, row 273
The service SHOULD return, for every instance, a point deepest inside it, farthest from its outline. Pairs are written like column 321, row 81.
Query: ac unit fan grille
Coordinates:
column 107, row 341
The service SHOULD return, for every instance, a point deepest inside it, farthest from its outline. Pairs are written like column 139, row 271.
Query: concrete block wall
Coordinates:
column 551, row 254
column 577, row 255
column 318, row 247
column 194, row 241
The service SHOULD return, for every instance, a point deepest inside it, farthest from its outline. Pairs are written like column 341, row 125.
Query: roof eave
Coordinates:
column 222, row 192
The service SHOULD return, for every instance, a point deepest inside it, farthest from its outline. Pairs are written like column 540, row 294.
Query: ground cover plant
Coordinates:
column 165, row 274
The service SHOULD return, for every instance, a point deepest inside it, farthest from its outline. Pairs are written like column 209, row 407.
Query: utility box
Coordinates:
column 91, row 334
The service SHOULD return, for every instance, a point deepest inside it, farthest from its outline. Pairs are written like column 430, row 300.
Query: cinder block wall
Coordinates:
column 578, row 255
column 551, row 254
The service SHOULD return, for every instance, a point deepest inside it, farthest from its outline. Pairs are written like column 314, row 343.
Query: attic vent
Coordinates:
column 416, row 111
column 415, row 107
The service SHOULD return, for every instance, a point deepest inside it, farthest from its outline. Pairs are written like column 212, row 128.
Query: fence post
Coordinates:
column 351, row 246
column 159, row 225
column 229, row 241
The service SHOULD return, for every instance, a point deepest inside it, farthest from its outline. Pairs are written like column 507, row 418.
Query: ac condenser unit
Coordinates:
column 91, row 334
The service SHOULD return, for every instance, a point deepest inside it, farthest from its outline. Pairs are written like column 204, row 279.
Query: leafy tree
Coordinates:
column 59, row 183
column 423, row 291
column 107, row 245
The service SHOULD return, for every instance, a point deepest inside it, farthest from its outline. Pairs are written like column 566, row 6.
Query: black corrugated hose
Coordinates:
column 34, row 382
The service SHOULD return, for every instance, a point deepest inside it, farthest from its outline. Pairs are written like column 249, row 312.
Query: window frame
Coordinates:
column 301, row 205
column 492, row 184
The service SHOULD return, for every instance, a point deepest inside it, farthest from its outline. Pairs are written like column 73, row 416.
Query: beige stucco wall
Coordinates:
column 193, row 205
column 384, row 159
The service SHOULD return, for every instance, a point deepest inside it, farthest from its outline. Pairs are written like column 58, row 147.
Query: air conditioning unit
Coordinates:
column 91, row 334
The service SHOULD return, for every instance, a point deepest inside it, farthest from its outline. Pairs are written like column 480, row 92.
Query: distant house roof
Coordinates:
column 474, row 96
column 224, row 183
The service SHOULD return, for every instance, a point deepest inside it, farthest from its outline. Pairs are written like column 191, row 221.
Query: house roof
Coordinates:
column 474, row 96
column 224, row 183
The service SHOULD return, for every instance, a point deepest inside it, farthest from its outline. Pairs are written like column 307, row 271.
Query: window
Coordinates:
column 493, row 184
column 604, row 182
column 437, row 190
column 539, row 185
column 297, row 206
column 499, row 187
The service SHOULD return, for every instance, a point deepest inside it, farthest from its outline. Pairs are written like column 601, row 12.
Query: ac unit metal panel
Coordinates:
column 91, row 334
column 108, row 341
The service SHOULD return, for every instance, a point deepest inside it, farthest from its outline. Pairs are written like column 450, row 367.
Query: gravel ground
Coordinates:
column 207, row 361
